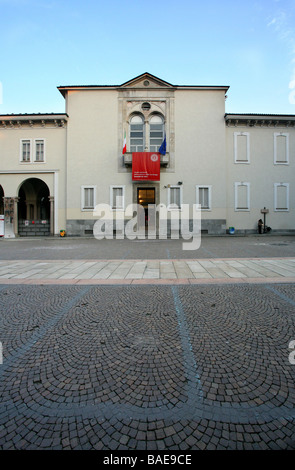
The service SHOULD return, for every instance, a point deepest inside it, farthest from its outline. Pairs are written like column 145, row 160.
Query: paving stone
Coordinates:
column 170, row 366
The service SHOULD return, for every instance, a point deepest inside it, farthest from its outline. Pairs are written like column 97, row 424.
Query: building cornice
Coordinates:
column 64, row 89
column 13, row 121
column 27, row 172
column 259, row 120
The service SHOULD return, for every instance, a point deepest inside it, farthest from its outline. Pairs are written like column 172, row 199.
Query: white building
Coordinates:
column 55, row 168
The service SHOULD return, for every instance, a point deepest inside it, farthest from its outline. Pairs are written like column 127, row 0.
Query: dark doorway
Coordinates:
column 146, row 197
column 33, row 208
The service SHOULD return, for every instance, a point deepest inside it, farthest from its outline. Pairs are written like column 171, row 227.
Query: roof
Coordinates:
column 154, row 82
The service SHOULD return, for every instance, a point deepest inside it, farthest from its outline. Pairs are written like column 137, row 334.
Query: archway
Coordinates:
column 33, row 208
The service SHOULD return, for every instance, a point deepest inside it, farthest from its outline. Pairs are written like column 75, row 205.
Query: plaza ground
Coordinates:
column 91, row 249
column 138, row 345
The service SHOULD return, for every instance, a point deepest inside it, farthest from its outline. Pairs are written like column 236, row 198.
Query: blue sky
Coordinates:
column 249, row 46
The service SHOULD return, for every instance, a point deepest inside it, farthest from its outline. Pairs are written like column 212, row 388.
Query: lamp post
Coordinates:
column 264, row 211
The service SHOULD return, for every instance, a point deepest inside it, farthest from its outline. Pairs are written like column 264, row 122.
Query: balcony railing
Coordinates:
column 127, row 159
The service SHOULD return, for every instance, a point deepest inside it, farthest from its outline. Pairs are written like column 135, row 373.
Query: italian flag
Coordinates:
column 124, row 143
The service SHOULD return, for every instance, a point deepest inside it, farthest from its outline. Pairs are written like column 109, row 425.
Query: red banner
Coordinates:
column 145, row 166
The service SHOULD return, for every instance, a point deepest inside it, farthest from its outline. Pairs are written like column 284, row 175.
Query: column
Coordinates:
column 9, row 217
column 16, row 199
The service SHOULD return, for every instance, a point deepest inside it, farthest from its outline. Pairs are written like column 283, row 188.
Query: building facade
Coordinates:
column 56, row 168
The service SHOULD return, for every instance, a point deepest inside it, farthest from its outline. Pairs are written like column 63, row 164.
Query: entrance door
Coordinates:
column 146, row 197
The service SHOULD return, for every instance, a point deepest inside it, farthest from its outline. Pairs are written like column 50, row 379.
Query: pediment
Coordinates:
column 146, row 80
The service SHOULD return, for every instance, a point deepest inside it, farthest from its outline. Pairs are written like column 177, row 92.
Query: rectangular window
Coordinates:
column 242, row 147
column 281, row 148
column 32, row 150
column 203, row 197
column 26, row 145
column 174, row 197
column 117, row 196
column 281, row 196
column 242, row 196
column 39, row 150
column 88, row 197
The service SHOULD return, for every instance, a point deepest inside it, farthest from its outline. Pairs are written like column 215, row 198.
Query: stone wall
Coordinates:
column 36, row 229
column 84, row 227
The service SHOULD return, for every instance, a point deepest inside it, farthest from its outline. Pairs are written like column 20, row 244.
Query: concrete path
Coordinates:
column 191, row 271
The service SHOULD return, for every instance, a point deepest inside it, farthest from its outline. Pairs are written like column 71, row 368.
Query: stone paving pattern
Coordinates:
column 147, row 367
column 189, row 271
column 162, row 352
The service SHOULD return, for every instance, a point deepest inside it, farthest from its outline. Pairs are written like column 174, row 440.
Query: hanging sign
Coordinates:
column 145, row 166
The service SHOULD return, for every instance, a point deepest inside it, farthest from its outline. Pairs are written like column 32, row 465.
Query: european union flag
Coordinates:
column 162, row 149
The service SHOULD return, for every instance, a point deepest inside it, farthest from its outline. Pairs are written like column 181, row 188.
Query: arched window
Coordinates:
column 156, row 132
column 136, row 134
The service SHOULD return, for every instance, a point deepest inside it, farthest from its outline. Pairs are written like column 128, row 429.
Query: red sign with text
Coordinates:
column 145, row 166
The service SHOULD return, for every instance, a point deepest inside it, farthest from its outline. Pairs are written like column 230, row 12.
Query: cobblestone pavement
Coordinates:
column 121, row 345
column 154, row 367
